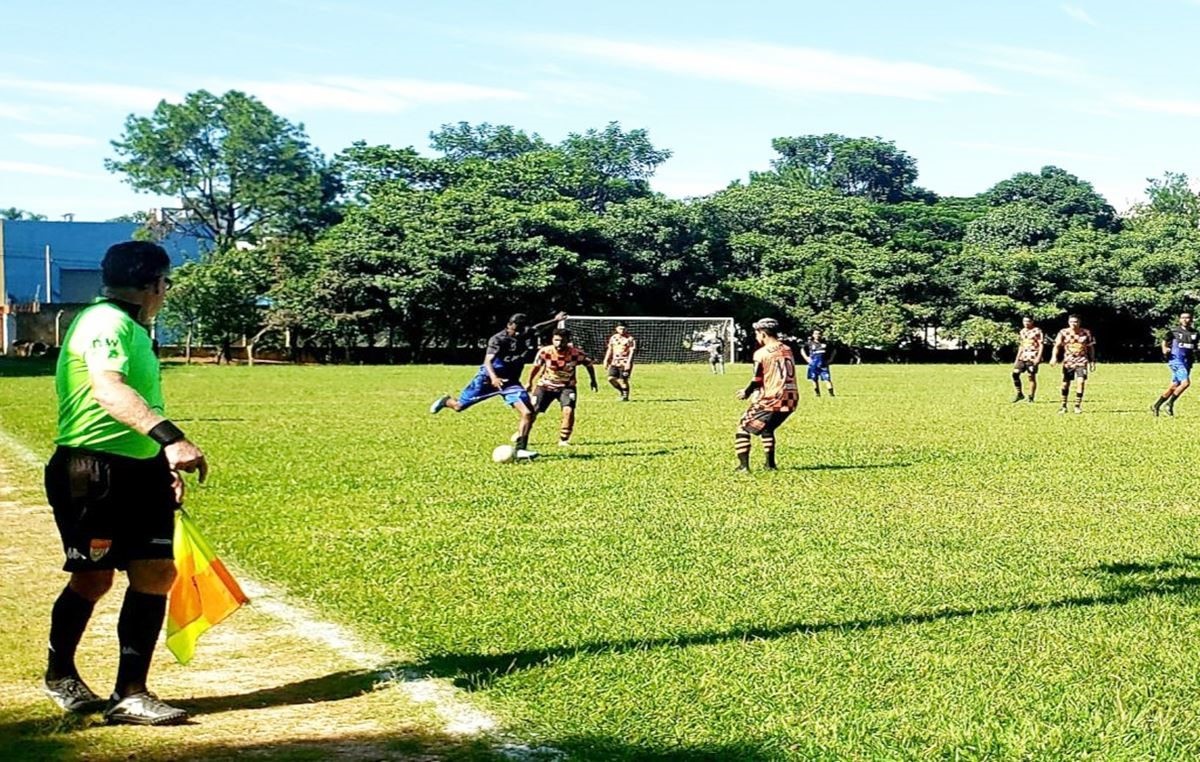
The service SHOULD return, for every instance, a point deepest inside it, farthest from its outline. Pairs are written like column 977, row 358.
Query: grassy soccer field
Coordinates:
column 932, row 572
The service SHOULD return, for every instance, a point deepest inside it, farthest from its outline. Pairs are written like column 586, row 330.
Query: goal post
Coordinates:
column 659, row 339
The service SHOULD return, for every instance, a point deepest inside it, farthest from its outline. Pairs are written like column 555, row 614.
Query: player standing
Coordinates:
column 1179, row 349
column 553, row 378
column 775, row 381
column 1029, row 356
column 505, row 358
column 816, row 354
column 618, row 359
column 1078, row 348
column 716, row 355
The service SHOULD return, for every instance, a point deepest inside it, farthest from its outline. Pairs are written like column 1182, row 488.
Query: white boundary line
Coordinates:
column 459, row 718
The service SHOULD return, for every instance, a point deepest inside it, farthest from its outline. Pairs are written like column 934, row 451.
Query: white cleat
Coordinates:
column 526, row 455
column 564, row 443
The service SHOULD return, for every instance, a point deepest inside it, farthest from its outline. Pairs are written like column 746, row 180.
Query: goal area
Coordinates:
column 659, row 339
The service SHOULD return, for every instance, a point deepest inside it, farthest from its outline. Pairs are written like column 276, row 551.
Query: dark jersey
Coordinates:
column 512, row 352
column 1182, row 343
column 818, row 353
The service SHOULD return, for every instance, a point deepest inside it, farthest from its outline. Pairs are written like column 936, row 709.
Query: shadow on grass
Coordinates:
column 1124, row 582
column 846, row 466
column 572, row 455
column 17, row 367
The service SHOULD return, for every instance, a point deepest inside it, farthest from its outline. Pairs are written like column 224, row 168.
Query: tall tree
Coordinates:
column 241, row 171
column 1071, row 200
column 873, row 168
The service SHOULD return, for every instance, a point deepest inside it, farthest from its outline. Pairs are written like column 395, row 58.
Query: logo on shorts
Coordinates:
column 99, row 548
column 75, row 555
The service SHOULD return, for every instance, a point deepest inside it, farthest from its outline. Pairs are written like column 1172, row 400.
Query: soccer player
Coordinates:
column 114, row 484
column 775, row 382
column 618, row 359
column 1179, row 349
column 816, row 353
column 1029, row 356
column 716, row 355
column 553, row 378
column 505, row 358
column 1078, row 348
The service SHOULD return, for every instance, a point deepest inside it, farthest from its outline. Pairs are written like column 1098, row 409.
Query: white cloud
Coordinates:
column 1079, row 14
column 44, row 170
column 777, row 67
column 1159, row 105
column 56, row 139
column 122, row 96
column 1039, row 63
column 381, row 96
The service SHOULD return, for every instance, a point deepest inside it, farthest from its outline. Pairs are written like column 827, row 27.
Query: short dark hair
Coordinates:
column 520, row 318
column 134, row 264
column 564, row 332
column 1074, row 315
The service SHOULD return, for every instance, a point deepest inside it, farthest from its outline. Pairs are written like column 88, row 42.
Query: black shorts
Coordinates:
column 759, row 421
column 616, row 371
column 110, row 509
column 1025, row 366
column 1071, row 374
column 543, row 397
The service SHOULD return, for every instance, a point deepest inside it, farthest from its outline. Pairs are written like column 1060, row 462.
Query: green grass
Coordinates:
column 933, row 572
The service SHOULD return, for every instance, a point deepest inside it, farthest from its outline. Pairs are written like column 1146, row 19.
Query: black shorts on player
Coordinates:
column 543, row 398
column 616, row 371
column 110, row 509
column 759, row 421
column 1072, row 374
column 1025, row 366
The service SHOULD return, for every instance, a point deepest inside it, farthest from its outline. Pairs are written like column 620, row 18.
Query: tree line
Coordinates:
column 386, row 246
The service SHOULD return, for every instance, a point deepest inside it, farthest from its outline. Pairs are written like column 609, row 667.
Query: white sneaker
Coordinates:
column 438, row 404
column 526, row 455
column 564, row 443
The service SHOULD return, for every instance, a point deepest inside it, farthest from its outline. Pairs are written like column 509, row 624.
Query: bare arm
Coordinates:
column 122, row 402
column 534, row 373
column 1058, row 342
column 592, row 373
column 558, row 318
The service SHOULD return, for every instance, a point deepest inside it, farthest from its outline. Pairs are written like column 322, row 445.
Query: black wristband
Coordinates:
column 166, row 433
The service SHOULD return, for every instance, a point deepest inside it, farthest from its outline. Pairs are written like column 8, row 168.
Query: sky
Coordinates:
column 975, row 91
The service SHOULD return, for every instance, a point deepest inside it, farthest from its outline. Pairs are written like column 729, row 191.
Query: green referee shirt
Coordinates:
column 105, row 337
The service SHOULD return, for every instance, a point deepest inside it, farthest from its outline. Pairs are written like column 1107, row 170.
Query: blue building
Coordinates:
column 59, row 262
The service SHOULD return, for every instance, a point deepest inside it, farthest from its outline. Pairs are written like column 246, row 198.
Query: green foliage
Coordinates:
column 13, row 213
column 241, row 172
column 872, row 168
column 1068, row 199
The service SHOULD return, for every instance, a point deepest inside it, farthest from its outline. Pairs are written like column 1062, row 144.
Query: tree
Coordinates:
column 869, row 167
column 241, row 172
column 463, row 141
column 610, row 165
column 1172, row 196
column 13, row 213
column 1071, row 200
column 218, row 299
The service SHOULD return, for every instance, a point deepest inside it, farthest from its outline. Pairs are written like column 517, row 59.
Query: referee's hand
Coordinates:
column 185, row 456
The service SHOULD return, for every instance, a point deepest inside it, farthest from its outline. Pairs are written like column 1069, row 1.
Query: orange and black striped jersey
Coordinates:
column 1077, row 347
column 775, row 375
column 558, row 368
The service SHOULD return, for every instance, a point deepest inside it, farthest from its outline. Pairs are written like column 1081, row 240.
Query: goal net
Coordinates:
column 659, row 339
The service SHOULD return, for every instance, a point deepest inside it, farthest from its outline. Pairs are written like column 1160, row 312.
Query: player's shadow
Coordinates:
column 576, row 455
column 1121, row 582
column 664, row 400
column 847, row 466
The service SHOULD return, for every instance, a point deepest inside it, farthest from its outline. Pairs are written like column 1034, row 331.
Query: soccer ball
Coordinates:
column 503, row 453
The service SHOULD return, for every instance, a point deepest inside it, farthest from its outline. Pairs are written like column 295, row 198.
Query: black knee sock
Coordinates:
column 1159, row 402
column 137, row 631
column 1078, row 399
column 1017, row 381
column 741, row 444
column 768, row 443
column 68, row 620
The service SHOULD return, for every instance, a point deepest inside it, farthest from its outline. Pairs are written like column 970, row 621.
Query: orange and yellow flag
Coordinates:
column 204, row 592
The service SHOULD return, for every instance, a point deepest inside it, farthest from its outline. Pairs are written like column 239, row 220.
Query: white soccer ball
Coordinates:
column 503, row 453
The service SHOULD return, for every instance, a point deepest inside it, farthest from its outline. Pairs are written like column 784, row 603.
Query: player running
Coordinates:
column 618, row 359
column 775, row 382
column 1078, row 348
column 1179, row 349
column 500, row 375
column 816, row 354
column 553, row 378
column 1029, row 356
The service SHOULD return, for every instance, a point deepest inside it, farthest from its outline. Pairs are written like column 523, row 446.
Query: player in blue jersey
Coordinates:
column 1179, row 349
column 816, row 352
column 500, row 375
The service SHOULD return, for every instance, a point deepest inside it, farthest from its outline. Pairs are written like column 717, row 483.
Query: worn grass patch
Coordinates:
column 932, row 572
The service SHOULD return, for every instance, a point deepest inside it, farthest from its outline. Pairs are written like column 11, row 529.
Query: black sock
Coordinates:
column 1017, row 382
column 768, row 443
column 741, row 444
column 137, row 631
column 1078, row 399
column 523, row 442
column 1159, row 402
column 68, row 620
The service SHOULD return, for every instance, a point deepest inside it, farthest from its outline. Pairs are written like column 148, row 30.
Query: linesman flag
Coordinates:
column 204, row 592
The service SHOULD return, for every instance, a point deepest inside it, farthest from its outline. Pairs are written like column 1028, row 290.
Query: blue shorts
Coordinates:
column 481, row 389
column 1180, row 371
column 819, row 373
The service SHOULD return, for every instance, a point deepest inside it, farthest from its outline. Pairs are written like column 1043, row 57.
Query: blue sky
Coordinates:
column 974, row 91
